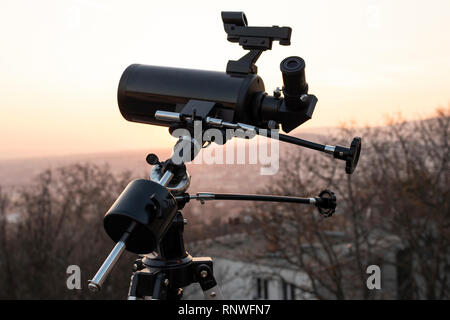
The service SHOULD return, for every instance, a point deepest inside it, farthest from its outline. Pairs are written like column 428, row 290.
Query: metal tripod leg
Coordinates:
column 147, row 285
column 208, row 283
column 132, row 292
column 213, row 294
column 159, row 288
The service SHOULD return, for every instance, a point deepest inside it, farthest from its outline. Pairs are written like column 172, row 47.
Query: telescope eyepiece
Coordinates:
column 292, row 65
column 294, row 80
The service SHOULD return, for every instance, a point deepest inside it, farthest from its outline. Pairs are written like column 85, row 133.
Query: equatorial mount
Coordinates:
column 146, row 218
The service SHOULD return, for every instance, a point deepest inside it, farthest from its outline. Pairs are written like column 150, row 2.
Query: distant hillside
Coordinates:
column 236, row 178
column 19, row 172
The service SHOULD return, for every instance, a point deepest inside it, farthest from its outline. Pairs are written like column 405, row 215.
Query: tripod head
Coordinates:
column 237, row 95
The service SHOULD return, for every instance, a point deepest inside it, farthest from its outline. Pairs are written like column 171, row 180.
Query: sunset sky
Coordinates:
column 61, row 61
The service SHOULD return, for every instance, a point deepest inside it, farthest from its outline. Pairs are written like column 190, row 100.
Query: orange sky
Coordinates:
column 61, row 61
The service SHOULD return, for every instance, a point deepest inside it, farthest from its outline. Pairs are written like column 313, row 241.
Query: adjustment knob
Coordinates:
column 152, row 159
column 327, row 203
column 349, row 155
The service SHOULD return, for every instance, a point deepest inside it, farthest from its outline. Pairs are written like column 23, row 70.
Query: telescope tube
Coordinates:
column 144, row 89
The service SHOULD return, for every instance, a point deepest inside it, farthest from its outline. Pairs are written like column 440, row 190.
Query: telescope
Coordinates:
column 237, row 95
column 235, row 99
column 146, row 218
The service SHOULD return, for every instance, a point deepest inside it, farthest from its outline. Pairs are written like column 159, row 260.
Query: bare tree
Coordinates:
column 393, row 211
column 397, row 199
column 5, row 253
column 60, row 224
column 416, row 180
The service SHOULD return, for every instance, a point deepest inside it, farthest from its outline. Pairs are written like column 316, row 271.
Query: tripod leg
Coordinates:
column 208, row 283
column 213, row 294
column 132, row 292
column 159, row 288
column 148, row 285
